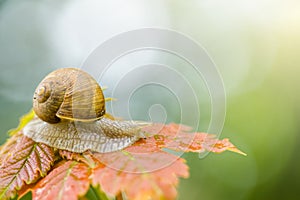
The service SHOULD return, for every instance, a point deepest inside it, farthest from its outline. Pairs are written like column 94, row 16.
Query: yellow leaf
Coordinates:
column 23, row 121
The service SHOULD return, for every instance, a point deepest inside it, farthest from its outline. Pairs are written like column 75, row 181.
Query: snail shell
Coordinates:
column 70, row 109
column 68, row 93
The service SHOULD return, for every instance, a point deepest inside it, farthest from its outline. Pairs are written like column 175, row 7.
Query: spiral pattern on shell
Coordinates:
column 68, row 93
column 70, row 109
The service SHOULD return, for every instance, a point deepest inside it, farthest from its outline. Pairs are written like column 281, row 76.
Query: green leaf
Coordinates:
column 95, row 193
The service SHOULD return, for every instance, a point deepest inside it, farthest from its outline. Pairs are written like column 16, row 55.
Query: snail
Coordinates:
column 70, row 114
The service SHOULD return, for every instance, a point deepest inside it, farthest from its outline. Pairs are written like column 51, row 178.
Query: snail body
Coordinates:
column 70, row 109
column 104, row 135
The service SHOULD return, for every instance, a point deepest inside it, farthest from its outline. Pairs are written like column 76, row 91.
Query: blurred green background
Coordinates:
column 255, row 44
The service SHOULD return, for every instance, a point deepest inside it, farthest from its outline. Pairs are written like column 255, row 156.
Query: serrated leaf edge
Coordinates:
column 16, row 174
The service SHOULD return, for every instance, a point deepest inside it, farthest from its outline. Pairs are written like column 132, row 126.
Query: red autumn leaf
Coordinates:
column 177, row 138
column 141, row 171
column 67, row 181
column 132, row 175
column 5, row 150
column 24, row 164
column 145, row 170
